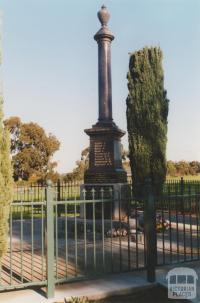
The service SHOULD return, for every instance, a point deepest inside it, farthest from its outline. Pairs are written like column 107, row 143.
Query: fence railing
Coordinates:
column 179, row 227
column 64, row 232
column 54, row 241
column 35, row 192
column 71, row 189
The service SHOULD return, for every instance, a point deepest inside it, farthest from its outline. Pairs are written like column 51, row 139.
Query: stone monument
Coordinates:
column 105, row 161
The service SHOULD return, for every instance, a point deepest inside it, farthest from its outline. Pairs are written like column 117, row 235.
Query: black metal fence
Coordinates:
column 178, row 211
column 129, row 233
column 35, row 192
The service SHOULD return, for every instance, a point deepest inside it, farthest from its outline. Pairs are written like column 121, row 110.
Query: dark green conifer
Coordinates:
column 6, row 182
column 147, row 111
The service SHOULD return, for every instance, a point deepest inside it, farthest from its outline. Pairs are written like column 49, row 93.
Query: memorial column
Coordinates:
column 104, row 38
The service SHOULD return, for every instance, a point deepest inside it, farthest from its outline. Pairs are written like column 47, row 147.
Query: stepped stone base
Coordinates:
column 106, row 171
column 105, row 162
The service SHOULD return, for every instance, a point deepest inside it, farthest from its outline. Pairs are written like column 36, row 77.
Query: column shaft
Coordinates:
column 105, row 82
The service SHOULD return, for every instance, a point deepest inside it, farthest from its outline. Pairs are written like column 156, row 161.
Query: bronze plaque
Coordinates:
column 102, row 154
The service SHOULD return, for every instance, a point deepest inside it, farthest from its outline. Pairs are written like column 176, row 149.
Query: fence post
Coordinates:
column 182, row 185
column 50, row 240
column 59, row 207
column 150, row 232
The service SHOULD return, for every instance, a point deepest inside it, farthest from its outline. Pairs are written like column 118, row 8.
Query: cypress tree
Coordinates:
column 6, row 183
column 147, row 111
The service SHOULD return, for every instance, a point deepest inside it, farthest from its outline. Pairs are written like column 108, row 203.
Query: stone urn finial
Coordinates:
column 103, row 15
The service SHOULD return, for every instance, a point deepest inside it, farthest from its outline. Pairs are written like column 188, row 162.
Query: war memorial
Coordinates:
column 100, row 237
column 105, row 159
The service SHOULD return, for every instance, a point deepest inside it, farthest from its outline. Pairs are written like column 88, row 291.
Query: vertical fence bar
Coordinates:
column 94, row 227
column 56, row 236
column 197, row 222
column 120, row 230
column 177, row 220
column 190, row 220
column 183, row 209
column 66, row 240
column 170, row 221
column 128, row 223
column 59, row 210
column 163, row 230
column 85, row 231
column 184, row 233
column 75, row 236
column 32, row 242
column 111, row 226
column 67, row 185
column 42, row 239
column 38, row 192
column 21, row 239
column 11, row 232
column 136, row 234
column 50, row 240
column 103, row 232
column 150, row 232
column 144, row 251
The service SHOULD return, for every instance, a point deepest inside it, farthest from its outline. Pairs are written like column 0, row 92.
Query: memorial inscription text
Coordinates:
column 102, row 155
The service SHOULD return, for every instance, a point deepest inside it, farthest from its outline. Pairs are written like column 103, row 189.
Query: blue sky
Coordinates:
column 50, row 66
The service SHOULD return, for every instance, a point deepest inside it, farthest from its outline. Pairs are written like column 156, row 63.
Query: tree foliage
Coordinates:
column 31, row 149
column 81, row 166
column 147, row 111
column 182, row 168
column 6, row 182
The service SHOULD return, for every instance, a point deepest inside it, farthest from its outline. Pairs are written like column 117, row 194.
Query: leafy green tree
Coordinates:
column 81, row 166
column 183, row 168
column 32, row 150
column 6, row 182
column 147, row 111
column 195, row 167
column 171, row 169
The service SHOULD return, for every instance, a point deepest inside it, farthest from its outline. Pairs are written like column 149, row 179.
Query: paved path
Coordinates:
column 95, row 289
column 162, row 272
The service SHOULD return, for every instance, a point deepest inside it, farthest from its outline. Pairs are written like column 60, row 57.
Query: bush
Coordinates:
column 6, row 183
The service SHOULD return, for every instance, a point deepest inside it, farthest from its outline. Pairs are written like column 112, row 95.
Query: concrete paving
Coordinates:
column 117, row 284
column 162, row 272
column 125, row 283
